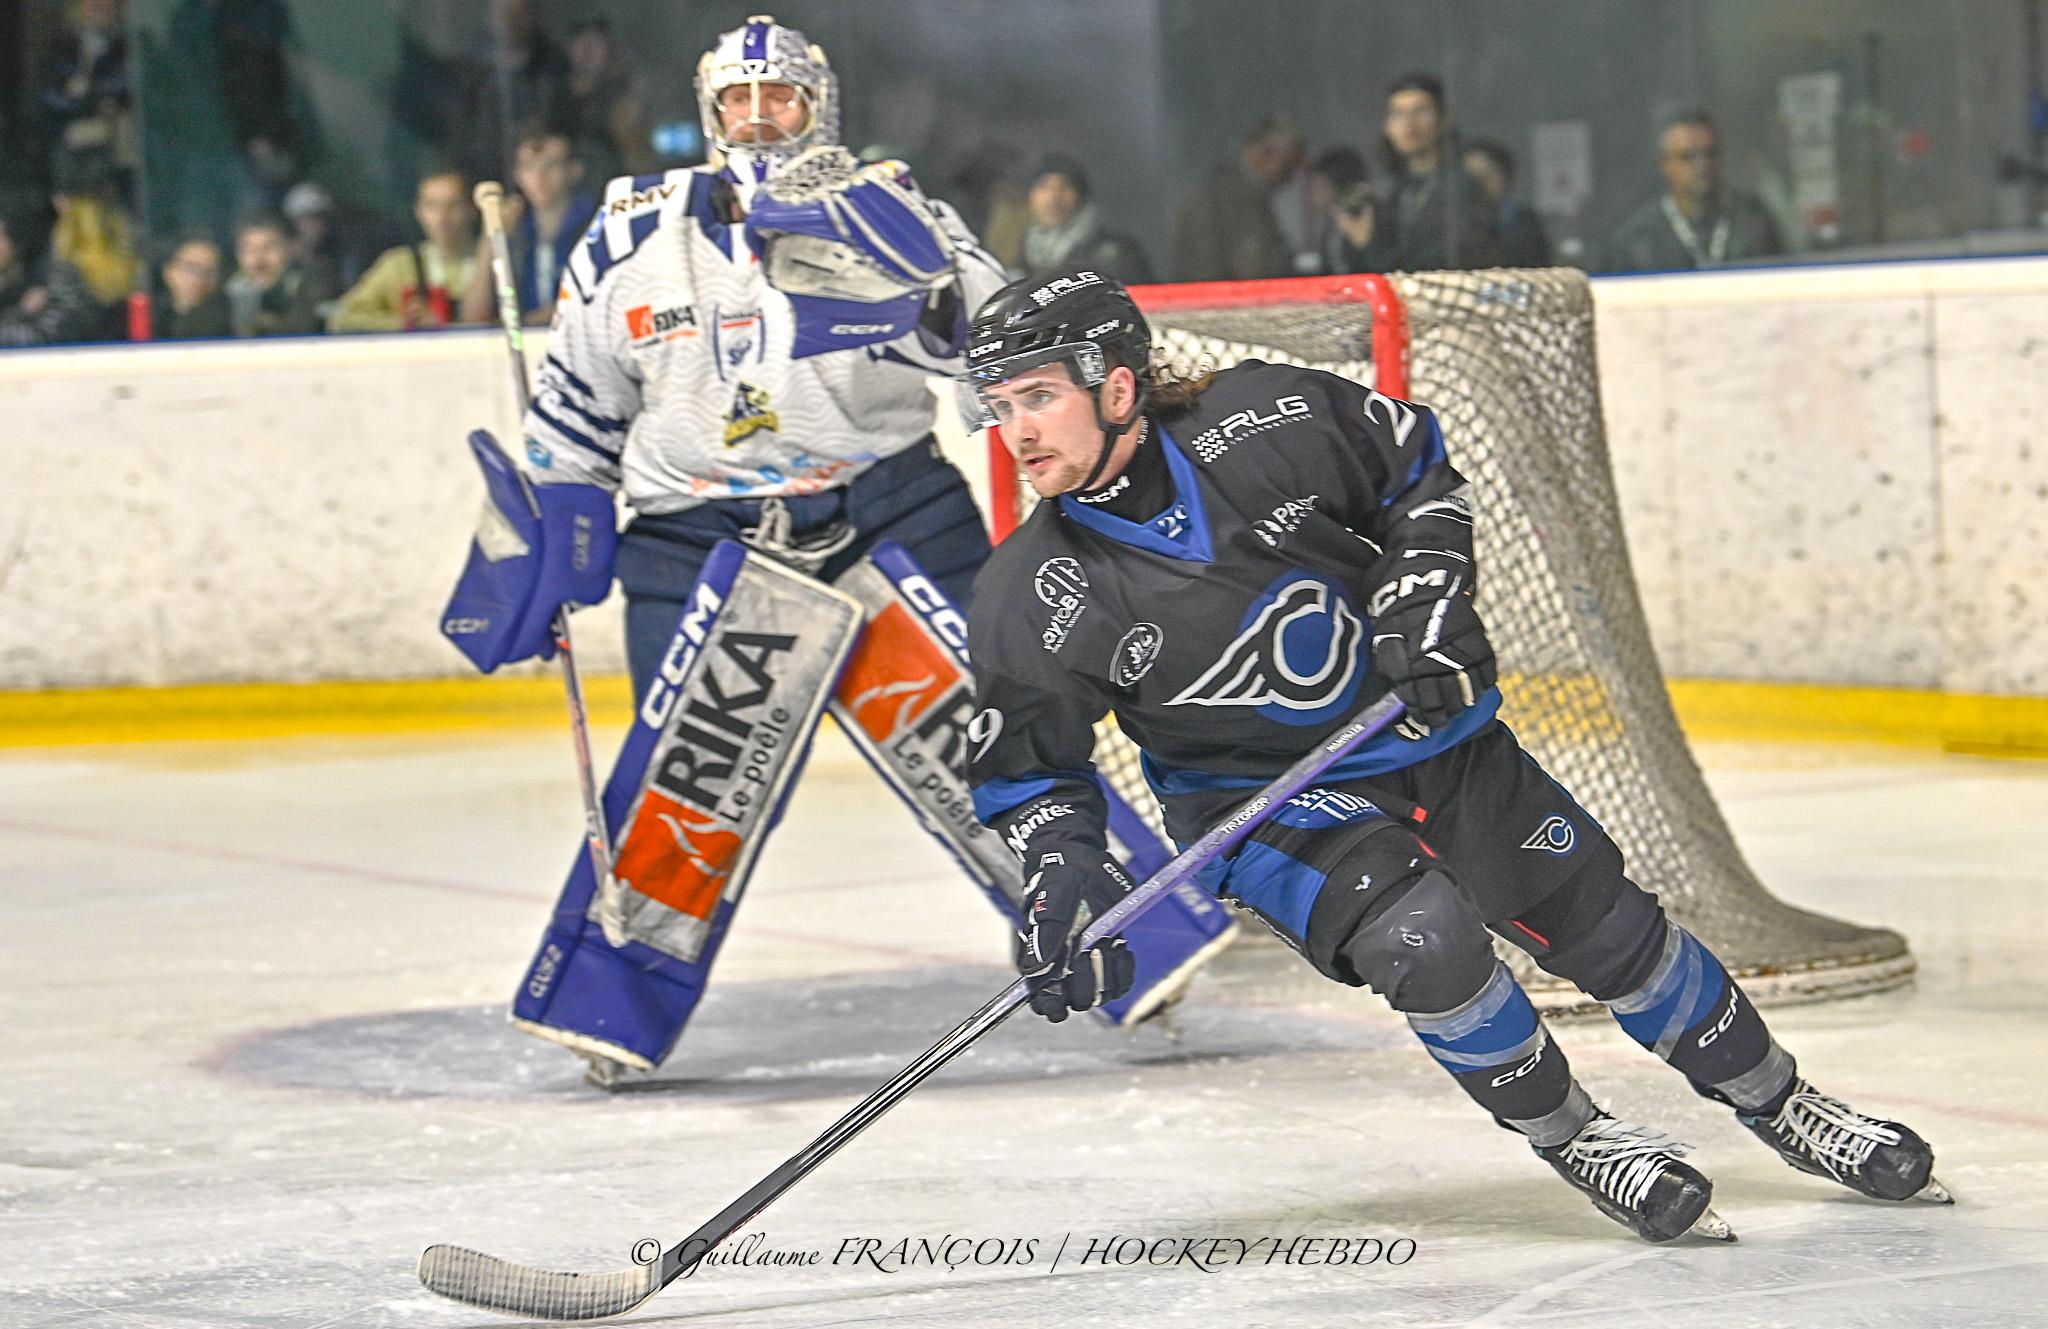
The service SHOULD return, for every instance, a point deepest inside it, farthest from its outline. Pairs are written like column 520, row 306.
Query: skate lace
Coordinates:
column 1621, row 1159
column 1830, row 1131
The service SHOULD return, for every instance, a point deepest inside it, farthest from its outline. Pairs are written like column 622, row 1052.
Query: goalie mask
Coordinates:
column 1078, row 319
column 758, row 53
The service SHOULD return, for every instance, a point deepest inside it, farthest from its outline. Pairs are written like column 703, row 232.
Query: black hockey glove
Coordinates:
column 1065, row 889
column 1435, row 654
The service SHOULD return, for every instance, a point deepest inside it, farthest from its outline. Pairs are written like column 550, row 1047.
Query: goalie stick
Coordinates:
column 515, row 1289
column 489, row 197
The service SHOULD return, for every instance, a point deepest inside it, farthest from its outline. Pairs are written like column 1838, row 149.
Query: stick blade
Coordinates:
column 539, row 1294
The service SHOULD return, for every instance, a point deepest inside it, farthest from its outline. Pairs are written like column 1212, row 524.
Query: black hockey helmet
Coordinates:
column 1078, row 318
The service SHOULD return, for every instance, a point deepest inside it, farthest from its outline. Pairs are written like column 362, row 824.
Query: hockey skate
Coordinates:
column 1634, row 1177
column 1828, row 1138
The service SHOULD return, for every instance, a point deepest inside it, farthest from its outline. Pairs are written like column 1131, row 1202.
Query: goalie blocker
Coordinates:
column 716, row 745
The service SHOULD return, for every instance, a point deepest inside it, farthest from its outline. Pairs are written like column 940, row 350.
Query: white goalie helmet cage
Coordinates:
column 764, row 51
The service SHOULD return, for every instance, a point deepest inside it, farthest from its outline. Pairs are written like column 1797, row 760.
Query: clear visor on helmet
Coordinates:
column 992, row 395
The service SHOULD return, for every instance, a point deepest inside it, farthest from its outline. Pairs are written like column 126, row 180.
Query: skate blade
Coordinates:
column 1934, row 1193
column 1711, row 1226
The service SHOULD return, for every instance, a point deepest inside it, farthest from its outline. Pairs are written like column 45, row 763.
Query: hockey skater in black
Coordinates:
column 1234, row 565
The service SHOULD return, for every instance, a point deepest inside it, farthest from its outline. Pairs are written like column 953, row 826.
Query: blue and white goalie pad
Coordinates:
column 701, row 780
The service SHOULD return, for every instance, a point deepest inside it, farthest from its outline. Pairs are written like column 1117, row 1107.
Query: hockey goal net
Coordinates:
column 1506, row 360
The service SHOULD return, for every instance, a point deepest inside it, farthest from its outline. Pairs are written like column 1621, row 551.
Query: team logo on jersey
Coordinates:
column 1136, row 652
column 1286, row 519
column 1296, row 659
column 1217, row 439
column 1554, row 836
column 1060, row 583
column 736, row 340
column 646, row 325
column 749, row 415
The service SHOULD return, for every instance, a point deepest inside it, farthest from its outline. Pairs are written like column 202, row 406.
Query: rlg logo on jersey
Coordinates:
column 1060, row 583
column 1136, row 652
column 1214, row 441
column 1554, row 836
column 1296, row 659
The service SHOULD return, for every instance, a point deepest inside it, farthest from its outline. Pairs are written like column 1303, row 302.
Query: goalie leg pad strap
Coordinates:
column 714, row 749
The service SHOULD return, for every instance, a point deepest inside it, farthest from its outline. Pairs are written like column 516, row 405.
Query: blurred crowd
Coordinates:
column 257, row 245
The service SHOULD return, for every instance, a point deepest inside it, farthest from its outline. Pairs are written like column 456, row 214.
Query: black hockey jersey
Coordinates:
column 1232, row 631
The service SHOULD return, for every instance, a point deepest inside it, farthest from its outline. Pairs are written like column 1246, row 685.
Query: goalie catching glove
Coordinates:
column 1433, row 650
column 832, row 228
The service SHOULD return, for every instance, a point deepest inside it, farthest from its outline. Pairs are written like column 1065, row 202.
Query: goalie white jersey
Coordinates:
column 669, row 368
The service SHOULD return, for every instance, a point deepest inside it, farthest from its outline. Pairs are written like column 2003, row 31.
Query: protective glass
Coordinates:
column 1083, row 361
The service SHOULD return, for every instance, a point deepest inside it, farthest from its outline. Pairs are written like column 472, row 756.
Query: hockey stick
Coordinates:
column 517, row 1289
column 489, row 195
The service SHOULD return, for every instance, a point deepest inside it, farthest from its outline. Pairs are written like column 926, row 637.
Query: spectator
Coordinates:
column 192, row 303
column 1067, row 230
column 41, row 304
column 543, row 223
column 1695, row 223
column 84, row 88
column 418, row 285
column 270, row 295
column 603, row 108
column 1340, row 203
column 93, row 233
column 1431, row 216
column 1523, row 243
column 525, row 67
column 1225, row 229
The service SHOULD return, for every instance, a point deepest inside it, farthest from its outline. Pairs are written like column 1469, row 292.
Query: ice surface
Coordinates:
column 254, row 1060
